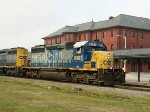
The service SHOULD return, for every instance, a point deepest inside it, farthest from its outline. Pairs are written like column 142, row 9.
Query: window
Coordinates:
column 149, row 36
column 112, row 46
column 79, row 39
column 96, row 35
column 60, row 39
column 46, row 42
column 132, row 34
column 85, row 36
column 112, row 33
column 69, row 38
column 51, row 41
column 148, row 66
column 141, row 35
column 104, row 34
column 124, row 33
column 55, row 40
column 65, row 38
column 78, row 50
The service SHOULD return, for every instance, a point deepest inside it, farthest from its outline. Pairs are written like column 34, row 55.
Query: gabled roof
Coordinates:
column 72, row 29
column 62, row 30
column 121, row 20
column 124, row 21
column 85, row 26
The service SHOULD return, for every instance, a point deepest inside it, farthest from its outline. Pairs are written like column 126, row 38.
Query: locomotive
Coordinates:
column 85, row 61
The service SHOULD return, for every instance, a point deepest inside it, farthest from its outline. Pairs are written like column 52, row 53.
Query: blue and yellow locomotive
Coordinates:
column 86, row 61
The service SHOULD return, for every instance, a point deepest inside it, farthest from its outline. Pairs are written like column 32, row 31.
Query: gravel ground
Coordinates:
column 93, row 87
column 115, row 90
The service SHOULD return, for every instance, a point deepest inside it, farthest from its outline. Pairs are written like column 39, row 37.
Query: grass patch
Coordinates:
column 22, row 95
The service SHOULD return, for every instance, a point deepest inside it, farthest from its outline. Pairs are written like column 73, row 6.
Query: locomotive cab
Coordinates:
column 83, row 52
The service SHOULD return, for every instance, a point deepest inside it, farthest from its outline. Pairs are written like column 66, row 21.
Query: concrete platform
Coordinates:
column 133, row 77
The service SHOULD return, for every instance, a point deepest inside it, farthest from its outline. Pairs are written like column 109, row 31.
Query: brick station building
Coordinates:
column 135, row 29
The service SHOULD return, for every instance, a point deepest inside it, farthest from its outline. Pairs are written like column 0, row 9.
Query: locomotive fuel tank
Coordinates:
column 53, row 75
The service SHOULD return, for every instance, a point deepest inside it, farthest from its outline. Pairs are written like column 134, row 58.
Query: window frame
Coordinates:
column 85, row 36
column 141, row 35
column 65, row 38
column 56, row 40
column 133, row 34
column 69, row 38
column 79, row 37
column 124, row 32
column 104, row 34
column 96, row 35
column 149, row 36
column 112, row 33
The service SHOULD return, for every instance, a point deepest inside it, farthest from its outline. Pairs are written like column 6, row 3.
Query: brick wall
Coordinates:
column 111, row 40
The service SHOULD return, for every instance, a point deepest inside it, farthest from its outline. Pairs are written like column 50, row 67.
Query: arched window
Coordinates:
column 112, row 46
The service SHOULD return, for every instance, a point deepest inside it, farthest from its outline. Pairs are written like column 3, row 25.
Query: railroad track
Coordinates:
column 136, row 87
column 127, row 86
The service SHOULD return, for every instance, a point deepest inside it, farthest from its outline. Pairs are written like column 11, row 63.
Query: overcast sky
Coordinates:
column 24, row 22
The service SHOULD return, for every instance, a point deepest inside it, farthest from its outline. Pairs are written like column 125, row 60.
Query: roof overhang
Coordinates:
column 132, row 53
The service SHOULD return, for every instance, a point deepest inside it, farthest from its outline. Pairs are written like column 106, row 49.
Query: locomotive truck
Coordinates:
column 85, row 61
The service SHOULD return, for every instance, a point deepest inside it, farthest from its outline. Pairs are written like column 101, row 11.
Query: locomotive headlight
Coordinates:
column 108, row 56
column 111, row 67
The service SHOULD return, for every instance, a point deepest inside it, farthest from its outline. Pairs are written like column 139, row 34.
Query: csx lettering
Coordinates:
column 22, row 57
column 106, row 62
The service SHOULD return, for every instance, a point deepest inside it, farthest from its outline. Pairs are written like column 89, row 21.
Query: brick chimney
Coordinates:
column 111, row 17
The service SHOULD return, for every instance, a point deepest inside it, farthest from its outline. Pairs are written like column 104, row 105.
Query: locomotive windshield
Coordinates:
column 92, row 48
